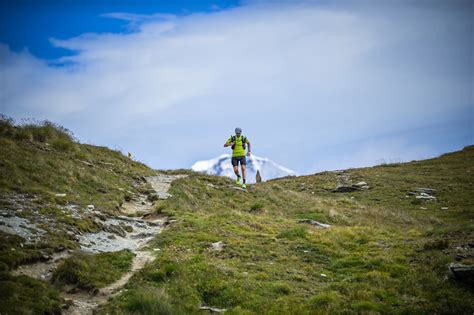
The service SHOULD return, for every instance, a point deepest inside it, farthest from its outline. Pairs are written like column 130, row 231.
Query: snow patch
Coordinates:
column 222, row 166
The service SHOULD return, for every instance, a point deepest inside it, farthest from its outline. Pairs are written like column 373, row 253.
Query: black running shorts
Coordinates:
column 237, row 159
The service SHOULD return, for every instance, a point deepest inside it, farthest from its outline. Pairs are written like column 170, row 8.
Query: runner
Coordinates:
column 239, row 142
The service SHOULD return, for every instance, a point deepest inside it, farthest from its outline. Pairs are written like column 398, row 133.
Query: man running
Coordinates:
column 238, row 143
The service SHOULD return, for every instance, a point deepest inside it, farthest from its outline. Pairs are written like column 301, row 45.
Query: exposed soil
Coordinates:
column 130, row 231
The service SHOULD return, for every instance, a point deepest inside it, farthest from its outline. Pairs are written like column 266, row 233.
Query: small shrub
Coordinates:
column 61, row 144
column 166, row 270
column 33, row 130
column 19, row 295
column 23, row 134
column 293, row 233
column 324, row 300
column 364, row 306
column 149, row 301
column 93, row 271
column 436, row 244
column 282, row 288
column 256, row 207
column 6, row 126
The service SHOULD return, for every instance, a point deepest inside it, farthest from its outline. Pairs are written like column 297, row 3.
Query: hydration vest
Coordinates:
column 234, row 138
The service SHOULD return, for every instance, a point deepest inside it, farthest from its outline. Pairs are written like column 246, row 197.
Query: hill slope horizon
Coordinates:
column 364, row 240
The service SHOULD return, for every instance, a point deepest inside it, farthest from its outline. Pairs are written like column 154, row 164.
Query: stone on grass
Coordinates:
column 428, row 191
column 361, row 185
column 425, row 196
column 346, row 188
column 213, row 309
column 218, row 246
column 314, row 223
column 343, row 189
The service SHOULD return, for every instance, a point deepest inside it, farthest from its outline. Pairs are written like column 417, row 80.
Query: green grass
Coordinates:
column 12, row 253
column 24, row 295
column 92, row 271
column 383, row 254
column 39, row 161
column 53, row 163
column 146, row 300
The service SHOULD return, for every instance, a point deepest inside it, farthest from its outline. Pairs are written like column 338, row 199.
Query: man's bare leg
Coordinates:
column 243, row 171
column 236, row 170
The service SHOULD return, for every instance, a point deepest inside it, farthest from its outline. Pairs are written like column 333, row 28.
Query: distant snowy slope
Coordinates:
column 222, row 166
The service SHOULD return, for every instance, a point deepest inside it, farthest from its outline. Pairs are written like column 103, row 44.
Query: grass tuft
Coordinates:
column 92, row 271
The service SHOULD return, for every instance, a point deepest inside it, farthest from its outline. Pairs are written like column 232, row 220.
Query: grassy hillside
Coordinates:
column 386, row 251
column 44, row 172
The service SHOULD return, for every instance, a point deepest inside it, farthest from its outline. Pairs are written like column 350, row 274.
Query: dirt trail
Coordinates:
column 85, row 303
column 130, row 231
column 41, row 270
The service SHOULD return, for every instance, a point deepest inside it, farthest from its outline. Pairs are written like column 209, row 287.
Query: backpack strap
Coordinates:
column 232, row 139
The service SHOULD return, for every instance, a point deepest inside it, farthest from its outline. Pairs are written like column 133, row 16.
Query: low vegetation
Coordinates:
column 44, row 170
column 92, row 271
column 385, row 252
column 24, row 295
column 50, row 179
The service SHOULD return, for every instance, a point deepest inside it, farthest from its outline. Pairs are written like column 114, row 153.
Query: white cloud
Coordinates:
column 297, row 78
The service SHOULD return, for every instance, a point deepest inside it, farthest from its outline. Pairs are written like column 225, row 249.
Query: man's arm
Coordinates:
column 228, row 143
column 248, row 150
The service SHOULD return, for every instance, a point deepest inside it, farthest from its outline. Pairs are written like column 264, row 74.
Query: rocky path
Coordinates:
column 132, row 231
column 144, row 231
column 85, row 303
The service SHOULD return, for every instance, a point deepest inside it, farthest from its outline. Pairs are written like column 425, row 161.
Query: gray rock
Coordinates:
column 114, row 229
column 424, row 196
column 314, row 223
column 343, row 189
column 101, row 216
column 142, row 235
column 428, row 191
column 153, row 197
column 213, row 309
column 218, row 246
column 350, row 188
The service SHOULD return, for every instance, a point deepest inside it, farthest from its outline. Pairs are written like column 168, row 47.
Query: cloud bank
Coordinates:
column 312, row 86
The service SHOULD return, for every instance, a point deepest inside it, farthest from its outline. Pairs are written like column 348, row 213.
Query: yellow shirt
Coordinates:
column 238, row 149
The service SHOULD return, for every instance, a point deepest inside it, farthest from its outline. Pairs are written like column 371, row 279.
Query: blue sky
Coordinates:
column 31, row 23
column 315, row 85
